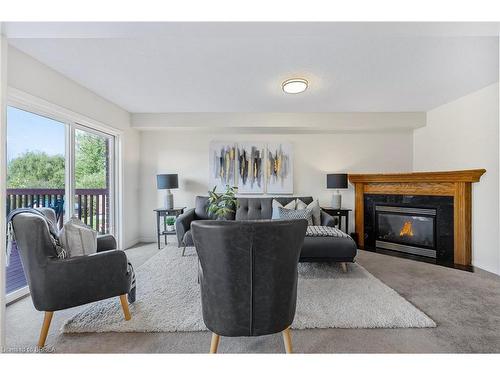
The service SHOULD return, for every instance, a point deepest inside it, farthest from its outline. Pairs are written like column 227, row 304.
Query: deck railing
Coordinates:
column 91, row 206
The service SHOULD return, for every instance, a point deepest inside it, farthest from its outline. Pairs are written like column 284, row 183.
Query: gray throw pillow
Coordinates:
column 314, row 207
column 77, row 238
column 287, row 214
column 276, row 205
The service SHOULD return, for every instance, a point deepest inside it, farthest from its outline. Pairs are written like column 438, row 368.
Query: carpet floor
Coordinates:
column 169, row 300
column 465, row 306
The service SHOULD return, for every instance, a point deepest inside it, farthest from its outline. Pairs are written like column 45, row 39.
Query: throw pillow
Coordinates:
column 276, row 205
column 77, row 238
column 287, row 214
column 314, row 207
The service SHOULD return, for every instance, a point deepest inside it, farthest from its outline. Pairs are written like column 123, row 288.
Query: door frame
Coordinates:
column 3, row 153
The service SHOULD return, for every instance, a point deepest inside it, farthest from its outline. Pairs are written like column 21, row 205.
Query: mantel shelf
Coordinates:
column 471, row 175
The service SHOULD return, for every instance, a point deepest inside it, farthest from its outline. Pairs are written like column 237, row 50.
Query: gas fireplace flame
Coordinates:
column 406, row 230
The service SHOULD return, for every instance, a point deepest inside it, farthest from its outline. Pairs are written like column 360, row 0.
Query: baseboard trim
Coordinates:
column 131, row 243
column 147, row 239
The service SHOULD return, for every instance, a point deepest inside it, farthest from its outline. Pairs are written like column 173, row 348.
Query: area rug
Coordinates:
column 168, row 300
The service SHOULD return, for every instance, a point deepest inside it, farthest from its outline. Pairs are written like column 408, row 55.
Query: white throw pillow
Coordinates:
column 314, row 207
column 77, row 238
column 276, row 205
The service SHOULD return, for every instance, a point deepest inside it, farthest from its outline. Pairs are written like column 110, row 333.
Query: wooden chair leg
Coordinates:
column 344, row 266
column 45, row 328
column 124, row 302
column 214, row 344
column 287, row 339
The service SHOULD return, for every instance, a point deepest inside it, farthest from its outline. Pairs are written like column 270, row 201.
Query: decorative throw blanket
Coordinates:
column 322, row 231
column 133, row 285
column 54, row 237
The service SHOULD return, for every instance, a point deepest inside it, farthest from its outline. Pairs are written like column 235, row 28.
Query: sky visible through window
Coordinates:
column 27, row 131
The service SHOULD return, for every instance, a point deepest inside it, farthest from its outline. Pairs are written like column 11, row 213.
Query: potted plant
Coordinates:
column 220, row 205
column 170, row 221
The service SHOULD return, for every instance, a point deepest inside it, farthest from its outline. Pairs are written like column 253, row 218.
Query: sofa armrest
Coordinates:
column 183, row 224
column 83, row 279
column 106, row 242
column 328, row 220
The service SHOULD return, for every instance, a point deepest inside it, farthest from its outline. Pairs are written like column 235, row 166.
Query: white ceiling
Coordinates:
column 239, row 67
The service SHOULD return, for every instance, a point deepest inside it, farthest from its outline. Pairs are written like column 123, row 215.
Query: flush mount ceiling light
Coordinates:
column 294, row 85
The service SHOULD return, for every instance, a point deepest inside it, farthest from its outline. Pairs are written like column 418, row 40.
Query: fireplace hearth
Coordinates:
column 407, row 229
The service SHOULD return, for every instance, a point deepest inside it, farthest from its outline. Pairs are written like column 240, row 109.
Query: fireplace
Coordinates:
column 416, row 226
column 407, row 229
column 448, row 192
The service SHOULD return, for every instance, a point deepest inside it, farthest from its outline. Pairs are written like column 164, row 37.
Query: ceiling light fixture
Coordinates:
column 294, row 85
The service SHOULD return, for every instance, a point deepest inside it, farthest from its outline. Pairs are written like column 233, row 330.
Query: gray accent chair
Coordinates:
column 57, row 284
column 248, row 276
column 314, row 249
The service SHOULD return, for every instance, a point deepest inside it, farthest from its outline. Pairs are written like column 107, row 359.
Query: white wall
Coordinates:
column 464, row 134
column 3, row 153
column 35, row 78
column 315, row 155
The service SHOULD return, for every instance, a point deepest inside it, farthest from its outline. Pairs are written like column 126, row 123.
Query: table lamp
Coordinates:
column 336, row 181
column 167, row 181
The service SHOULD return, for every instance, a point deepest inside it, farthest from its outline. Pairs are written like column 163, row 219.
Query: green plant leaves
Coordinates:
column 221, row 205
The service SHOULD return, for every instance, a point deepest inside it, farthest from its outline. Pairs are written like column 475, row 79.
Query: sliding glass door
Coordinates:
column 58, row 164
column 36, row 164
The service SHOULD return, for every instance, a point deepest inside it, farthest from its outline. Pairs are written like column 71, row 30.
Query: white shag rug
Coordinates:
column 168, row 300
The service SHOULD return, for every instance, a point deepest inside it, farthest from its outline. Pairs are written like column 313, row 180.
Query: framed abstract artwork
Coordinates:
column 279, row 168
column 250, row 163
column 254, row 167
column 222, row 165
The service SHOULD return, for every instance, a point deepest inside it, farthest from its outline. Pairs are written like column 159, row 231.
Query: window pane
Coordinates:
column 92, row 198
column 35, row 172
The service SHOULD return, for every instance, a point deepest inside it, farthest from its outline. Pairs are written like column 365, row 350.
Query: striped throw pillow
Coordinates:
column 287, row 214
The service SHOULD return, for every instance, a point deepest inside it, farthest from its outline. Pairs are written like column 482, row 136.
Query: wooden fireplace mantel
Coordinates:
column 457, row 184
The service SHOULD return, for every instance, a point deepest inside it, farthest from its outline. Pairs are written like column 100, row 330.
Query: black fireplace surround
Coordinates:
column 417, row 225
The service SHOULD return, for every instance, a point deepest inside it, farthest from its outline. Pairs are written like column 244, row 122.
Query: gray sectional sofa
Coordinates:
column 334, row 249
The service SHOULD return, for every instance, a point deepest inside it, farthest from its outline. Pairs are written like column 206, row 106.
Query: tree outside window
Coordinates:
column 37, row 169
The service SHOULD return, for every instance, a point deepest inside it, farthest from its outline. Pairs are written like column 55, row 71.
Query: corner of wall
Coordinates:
column 463, row 134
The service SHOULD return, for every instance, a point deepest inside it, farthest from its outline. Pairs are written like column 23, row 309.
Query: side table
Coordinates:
column 163, row 213
column 339, row 213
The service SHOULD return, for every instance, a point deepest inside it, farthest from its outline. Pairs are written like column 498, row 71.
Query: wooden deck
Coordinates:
column 15, row 275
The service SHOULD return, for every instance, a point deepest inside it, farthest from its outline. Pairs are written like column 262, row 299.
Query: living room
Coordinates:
column 337, row 181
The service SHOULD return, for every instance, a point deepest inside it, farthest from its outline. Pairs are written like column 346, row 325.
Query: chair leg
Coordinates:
column 287, row 339
column 344, row 267
column 45, row 328
column 124, row 302
column 183, row 250
column 214, row 344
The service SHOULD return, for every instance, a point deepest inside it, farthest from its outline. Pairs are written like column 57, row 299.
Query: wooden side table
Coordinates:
column 163, row 213
column 339, row 213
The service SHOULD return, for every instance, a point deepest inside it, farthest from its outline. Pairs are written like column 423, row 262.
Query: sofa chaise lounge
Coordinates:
column 315, row 249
